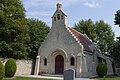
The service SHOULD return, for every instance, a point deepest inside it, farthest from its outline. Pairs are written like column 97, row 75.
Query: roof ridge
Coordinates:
column 61, row 11
column 87, row 37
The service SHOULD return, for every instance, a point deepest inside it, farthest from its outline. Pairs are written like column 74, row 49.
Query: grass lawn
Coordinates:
column 25, row 78
column 110, row 78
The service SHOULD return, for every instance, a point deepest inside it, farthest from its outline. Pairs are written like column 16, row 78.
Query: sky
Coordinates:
column 76, row 10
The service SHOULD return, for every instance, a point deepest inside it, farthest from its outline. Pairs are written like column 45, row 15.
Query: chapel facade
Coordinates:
column 65, row 48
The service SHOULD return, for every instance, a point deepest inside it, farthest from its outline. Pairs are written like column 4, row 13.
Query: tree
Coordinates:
column 99, row 32
column 105, row 36
column 117, row 18
column 116, row 52
column 86, row 27
column 14, row 37
column 38, row 32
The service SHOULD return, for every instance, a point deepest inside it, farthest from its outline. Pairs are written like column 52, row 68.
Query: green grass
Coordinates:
column 110, row 78
column 25, row 78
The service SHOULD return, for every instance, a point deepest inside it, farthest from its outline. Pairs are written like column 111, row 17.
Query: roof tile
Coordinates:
column 84, row 40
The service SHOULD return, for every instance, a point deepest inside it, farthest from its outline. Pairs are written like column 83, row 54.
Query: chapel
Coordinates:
column 65, row 48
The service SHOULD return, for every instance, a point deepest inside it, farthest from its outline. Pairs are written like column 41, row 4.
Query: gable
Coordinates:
column 60, row 12
column 60, row 38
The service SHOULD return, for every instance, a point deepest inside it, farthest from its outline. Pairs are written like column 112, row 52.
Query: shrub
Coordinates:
column 101, row 69
column 10, row 68
column 1, row 71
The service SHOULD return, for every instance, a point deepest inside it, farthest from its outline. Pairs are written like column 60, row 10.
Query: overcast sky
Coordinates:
column 76, row 10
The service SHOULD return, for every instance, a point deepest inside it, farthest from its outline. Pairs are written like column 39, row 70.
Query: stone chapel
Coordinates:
column 65, row 48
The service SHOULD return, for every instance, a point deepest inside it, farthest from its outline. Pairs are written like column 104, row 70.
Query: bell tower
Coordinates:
column 59, row 6
column 59, row 17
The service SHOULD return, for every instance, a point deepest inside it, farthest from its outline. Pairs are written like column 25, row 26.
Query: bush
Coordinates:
column 10, row 68
column 101, row 69
column 1, row 71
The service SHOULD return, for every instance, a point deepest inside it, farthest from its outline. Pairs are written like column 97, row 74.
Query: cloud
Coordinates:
column 92, row 4
column 47, row 3
column 44, row 9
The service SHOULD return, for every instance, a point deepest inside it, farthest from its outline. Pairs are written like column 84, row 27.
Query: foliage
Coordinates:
column 99, row 32
column 14, row 36
column 105, row 36
column 1, row 71
column 20, row 38
column 116, row 52
column 10, row 68
column 117, row 18
column 38, row 32
column 86, row 27
column 101, row 69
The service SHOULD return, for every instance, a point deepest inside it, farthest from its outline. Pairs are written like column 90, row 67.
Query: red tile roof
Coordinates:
column 84, row 40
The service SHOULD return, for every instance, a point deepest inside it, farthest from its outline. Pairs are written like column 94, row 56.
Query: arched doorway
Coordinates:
column 59, row 64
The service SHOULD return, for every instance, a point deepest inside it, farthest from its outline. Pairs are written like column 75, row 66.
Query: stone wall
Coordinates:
column 24, row 67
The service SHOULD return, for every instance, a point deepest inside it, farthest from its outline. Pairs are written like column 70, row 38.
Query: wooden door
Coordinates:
column 59, row 64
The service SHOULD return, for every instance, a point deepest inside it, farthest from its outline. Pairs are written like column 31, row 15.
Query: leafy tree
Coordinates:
column 14, row 37
column 86, row 27
column 38, row 32
column 105, row 36
column 116, row 52
column 100, row 32
column 117, row 18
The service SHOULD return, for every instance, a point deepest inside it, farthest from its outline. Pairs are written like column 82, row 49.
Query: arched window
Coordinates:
column 72, row 61
column 54, row 18
column 62, row 17
column 45, row 61
column 58, row 16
